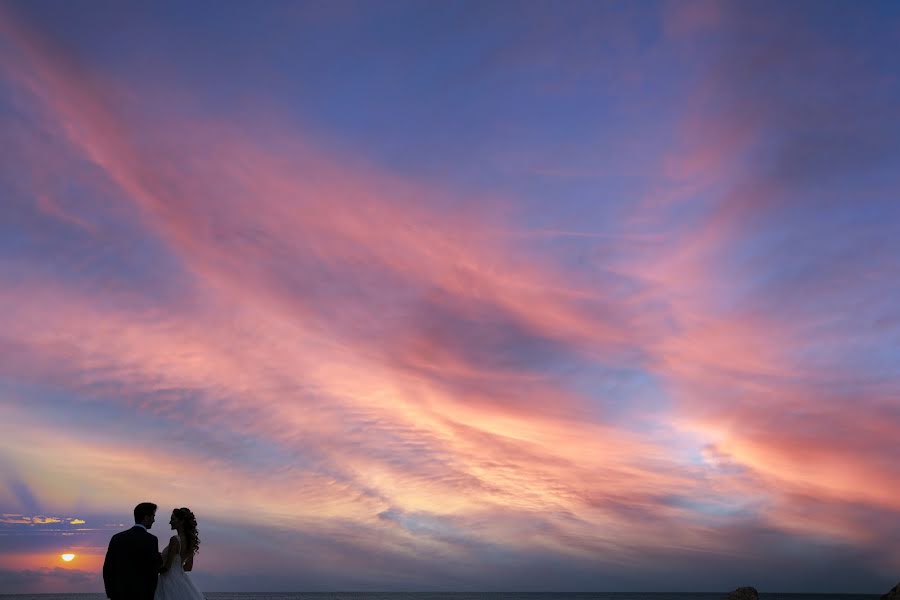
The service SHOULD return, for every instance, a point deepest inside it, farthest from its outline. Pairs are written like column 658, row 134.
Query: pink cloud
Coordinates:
column 359, row 324
column 51, row 208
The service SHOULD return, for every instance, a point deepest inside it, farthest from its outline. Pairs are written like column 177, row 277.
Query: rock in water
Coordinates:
column 894, row 594
column 744, row 593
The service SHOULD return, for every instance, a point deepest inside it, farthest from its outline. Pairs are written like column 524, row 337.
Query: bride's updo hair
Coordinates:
column 189, row 523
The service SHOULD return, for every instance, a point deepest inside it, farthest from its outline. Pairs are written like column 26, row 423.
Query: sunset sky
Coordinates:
column 447, row 295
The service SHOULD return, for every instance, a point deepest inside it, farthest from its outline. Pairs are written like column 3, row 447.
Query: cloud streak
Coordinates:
column 354, row 363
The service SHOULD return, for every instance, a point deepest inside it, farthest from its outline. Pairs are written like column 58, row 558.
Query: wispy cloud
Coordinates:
column 378, row 371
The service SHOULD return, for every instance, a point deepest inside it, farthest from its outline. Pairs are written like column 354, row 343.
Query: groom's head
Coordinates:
column 145, row 514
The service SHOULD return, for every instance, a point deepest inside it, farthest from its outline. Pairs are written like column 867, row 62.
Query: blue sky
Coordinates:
column 453, row 296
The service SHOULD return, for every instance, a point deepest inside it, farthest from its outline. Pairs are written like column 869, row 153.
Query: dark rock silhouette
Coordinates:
column 744, row 593
column 894, row 594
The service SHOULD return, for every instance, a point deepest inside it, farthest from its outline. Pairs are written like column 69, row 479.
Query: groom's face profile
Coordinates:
column 148, row 520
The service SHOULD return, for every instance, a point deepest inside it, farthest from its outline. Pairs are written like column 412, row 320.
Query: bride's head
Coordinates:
column 183, row 520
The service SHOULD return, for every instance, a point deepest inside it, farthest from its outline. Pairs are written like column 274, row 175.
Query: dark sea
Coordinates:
column 467, row 596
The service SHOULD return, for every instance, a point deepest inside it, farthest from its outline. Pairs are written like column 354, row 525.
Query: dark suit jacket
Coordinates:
column 131, row 566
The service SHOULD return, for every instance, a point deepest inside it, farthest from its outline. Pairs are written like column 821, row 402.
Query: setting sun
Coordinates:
column 67, row 557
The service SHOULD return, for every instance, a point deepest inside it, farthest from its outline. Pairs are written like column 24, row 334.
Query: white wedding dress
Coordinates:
column 175, row 584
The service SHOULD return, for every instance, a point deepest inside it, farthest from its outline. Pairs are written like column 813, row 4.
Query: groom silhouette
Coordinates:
column 133, row 560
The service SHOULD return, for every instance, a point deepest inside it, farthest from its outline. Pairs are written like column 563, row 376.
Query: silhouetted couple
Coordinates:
column 135, row 569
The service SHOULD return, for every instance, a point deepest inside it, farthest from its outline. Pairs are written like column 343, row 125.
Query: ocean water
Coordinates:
column 466, row 596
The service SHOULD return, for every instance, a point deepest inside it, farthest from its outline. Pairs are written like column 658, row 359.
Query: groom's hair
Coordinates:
column 144, row 509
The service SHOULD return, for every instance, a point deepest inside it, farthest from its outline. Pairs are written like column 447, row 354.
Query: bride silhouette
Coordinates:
column 178, row 558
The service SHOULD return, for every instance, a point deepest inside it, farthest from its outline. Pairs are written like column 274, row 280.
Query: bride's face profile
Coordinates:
column 174, row 522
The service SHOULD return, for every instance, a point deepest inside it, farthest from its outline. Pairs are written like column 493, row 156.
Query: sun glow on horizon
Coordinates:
column 67, row 557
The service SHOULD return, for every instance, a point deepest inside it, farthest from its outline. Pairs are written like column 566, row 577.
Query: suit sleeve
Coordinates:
column 154, row 561
column 157, row 557
column 110, row 567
